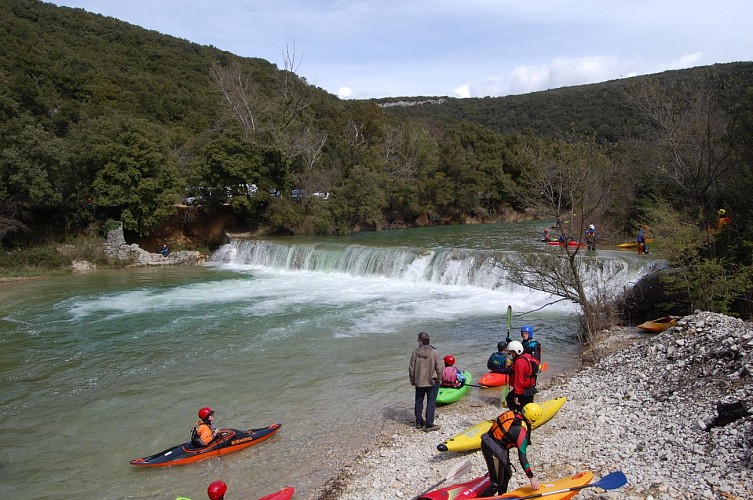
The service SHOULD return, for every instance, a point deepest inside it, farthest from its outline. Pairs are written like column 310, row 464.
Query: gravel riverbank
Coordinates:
column 672, row 411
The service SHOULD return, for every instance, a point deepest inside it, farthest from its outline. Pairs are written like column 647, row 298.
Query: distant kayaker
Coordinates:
column 217, row 490
column 524, row 370
column 531, row 346
column 425, row 372
column 451, row 375
column 511, row 429
column 204, row 432
column 591, row 238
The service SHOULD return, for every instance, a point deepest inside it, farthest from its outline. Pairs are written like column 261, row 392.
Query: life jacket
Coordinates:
column 196, row 435
column 529, row 379
column 500, row 429
column 450, row 376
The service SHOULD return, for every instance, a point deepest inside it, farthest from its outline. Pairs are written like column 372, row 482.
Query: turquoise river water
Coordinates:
column 100, row 368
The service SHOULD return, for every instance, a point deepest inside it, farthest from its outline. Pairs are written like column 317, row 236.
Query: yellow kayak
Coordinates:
column 548, row 488
column 470, row 439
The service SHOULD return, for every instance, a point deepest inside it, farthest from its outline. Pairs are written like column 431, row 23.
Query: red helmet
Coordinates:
column 217, row 489
column 205, row 412
column 449, row 359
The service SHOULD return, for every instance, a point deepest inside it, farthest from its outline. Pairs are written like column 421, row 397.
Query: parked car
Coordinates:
column 324, row 195
column 296, row 194
column 193, row 200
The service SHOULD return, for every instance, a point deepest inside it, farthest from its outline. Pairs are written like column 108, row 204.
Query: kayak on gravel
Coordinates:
column 229, row 441
column 548, row 488
column 449, row 395
column 470, row 438
column 477, row 487
column 468, row 489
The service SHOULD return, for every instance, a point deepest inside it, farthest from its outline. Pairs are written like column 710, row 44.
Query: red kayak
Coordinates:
column 492, row 379
column 230, row 440
column 469, row 489
column 571, row 243
column 284, row 494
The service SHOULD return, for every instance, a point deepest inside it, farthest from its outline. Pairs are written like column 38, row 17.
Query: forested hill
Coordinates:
column 600, row 110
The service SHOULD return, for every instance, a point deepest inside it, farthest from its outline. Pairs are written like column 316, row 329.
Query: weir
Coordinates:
column 442, row 266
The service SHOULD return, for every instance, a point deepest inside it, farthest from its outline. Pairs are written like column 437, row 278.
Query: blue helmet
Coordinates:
column 528, row 329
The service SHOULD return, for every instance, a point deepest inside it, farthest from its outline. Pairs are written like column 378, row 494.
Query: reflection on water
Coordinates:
column 101, row 368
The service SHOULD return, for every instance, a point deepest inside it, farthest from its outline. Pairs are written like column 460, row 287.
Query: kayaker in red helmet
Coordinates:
column 451, row 375
column 217, row 490
column 204, row 432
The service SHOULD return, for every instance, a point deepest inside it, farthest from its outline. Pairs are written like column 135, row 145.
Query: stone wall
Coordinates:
column 118, row 250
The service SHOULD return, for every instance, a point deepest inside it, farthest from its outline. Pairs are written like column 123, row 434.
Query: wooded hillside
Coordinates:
column 101, row 119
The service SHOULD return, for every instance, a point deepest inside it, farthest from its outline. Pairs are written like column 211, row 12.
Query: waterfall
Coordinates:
column 441, row 266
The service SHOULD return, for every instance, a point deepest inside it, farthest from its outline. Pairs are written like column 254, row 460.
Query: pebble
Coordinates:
column 646, row 409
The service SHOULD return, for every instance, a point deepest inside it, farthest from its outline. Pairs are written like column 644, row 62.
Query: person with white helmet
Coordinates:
column 524, row 370
column 511, row 429
column 591, row 238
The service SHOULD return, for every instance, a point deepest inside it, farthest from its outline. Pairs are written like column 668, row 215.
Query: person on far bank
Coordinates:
column 531, row 346
column 511, row 429
column 641, row 240
column 203, row 433
column 524, row 370
column 451, row 375
column 425, row 373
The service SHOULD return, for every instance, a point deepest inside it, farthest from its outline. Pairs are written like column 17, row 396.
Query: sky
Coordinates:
column 361, row 49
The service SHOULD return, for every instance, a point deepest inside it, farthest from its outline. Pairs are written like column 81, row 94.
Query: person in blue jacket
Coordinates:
column 531, row 346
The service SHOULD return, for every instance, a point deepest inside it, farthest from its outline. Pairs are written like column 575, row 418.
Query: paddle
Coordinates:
column 456, row 472
column 506, row 388
column 611, row 481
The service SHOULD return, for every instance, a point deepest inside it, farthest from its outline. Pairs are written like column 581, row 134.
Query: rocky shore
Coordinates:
column 672, row 411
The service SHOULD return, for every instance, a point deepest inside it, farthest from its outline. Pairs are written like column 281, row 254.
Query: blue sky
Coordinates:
column 362, row 49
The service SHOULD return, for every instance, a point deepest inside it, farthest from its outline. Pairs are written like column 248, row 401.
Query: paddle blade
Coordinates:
column 509, row 318
column 611, row 481
column 459, row 470
column 454, row 473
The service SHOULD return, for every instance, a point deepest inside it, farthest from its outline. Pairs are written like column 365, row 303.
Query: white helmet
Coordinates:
column 591, row 227
column 515, row 347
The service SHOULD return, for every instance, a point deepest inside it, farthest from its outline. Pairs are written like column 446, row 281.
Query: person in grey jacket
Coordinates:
column 425, row 372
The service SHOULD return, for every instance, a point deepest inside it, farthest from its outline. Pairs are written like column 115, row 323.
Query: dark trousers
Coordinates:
column 430, row 393
column 522, row 401
column 497, row 462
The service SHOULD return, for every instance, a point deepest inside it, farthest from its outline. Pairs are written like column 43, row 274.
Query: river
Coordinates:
column 100, row 368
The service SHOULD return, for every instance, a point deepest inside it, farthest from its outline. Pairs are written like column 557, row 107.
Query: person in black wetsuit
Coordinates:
column 510, row 429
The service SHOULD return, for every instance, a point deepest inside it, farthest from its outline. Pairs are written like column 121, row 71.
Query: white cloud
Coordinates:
column 344, row 92
column 463, row 90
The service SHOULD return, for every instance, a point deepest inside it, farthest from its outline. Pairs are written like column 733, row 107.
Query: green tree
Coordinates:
column 131, row 167
column 30, row 160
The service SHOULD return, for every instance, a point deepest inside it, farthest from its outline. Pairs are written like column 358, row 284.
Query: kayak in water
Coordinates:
column 229, row 441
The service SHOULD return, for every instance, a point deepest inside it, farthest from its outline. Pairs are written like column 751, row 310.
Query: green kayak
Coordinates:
column 449, row 395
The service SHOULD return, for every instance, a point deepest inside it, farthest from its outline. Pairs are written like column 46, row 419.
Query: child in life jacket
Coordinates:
column 451, row 375
column 204, row 431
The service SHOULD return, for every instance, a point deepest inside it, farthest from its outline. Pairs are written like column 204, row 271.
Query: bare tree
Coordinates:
column 240, row 95
column 691, row 138
column 574, row 181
